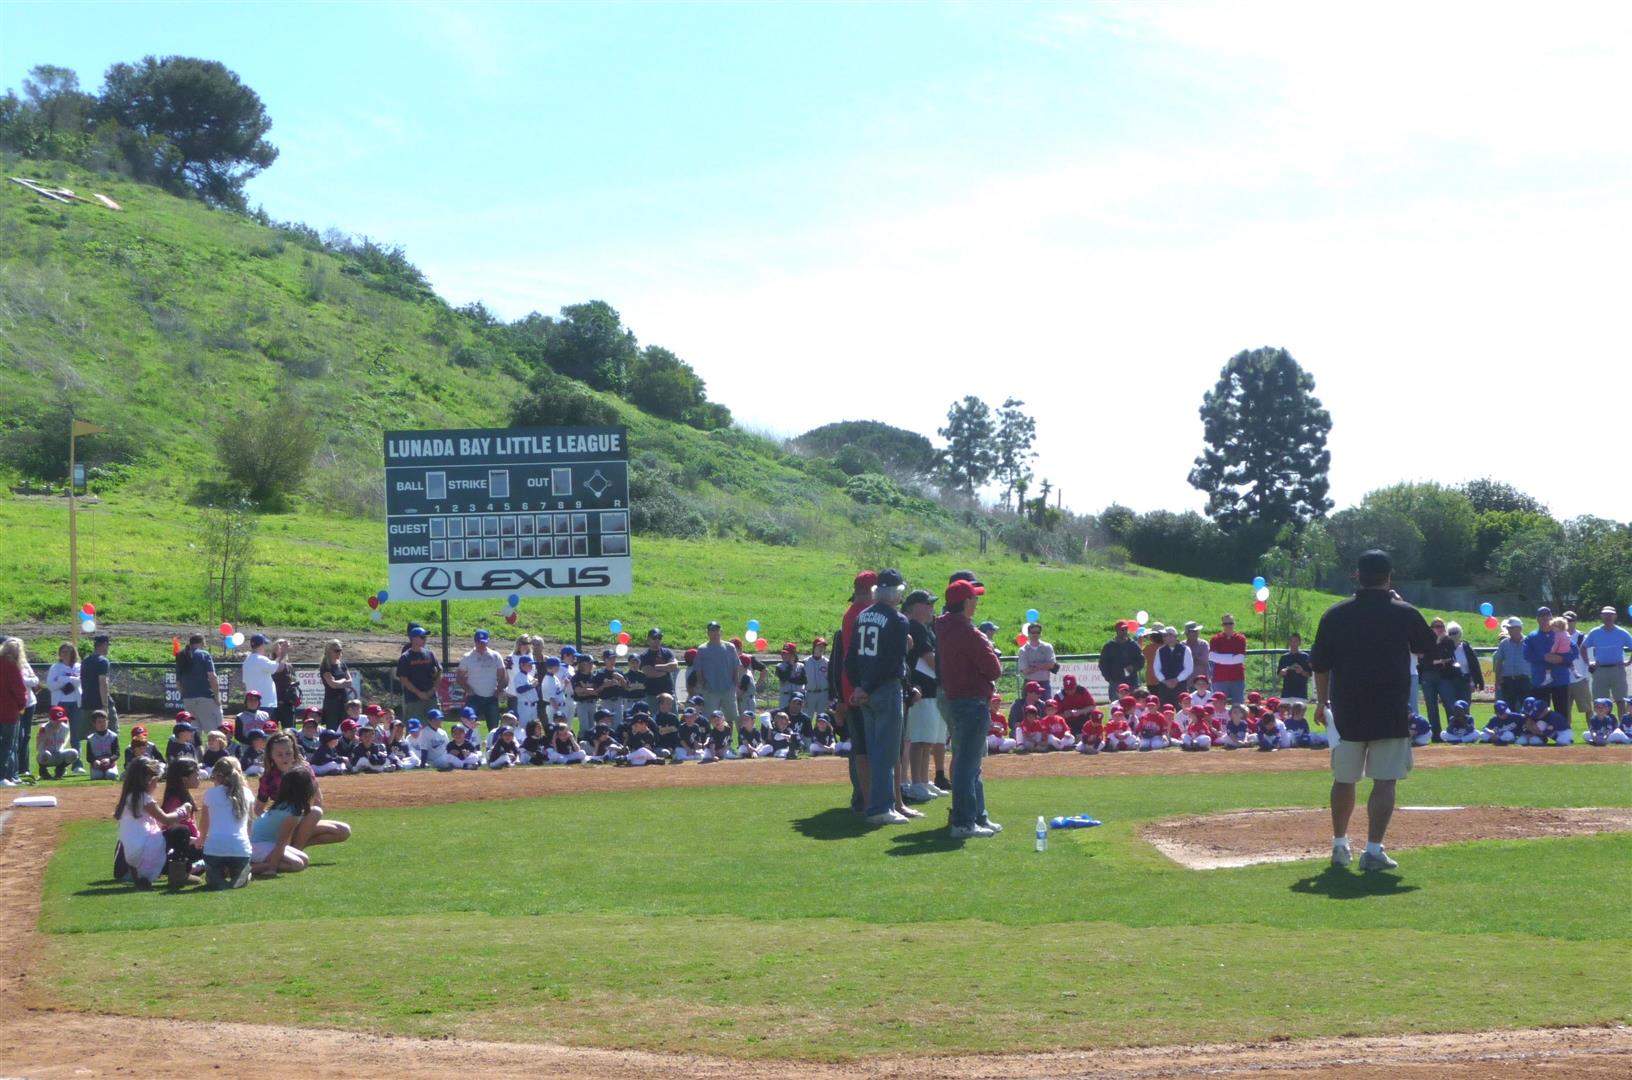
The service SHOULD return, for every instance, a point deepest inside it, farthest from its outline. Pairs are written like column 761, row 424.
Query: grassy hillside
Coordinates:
column 164, row 321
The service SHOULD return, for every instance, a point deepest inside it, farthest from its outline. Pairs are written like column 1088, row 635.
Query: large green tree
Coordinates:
column 1265, row 461
column 899, row 453
column 196, row 120
column 1448, row 524
column 590, row 343
column 1015, row 432
column 664, row 385
column 969, row 455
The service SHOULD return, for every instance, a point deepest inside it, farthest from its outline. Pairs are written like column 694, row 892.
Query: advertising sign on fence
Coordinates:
column 172, row 693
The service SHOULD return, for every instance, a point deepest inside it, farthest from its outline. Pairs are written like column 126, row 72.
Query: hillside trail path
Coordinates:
column 41, row 1039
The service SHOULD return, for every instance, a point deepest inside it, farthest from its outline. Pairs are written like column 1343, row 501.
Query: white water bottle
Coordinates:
column 1042, row 834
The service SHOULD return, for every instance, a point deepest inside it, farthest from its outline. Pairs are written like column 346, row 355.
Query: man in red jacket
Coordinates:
column 968, row 670
column 1227, row 662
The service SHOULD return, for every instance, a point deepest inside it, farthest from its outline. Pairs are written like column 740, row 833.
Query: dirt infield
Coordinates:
column 38, row 1040
column 1244, row 838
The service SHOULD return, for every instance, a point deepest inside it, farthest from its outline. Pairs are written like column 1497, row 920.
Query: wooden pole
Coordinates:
column 73, row 539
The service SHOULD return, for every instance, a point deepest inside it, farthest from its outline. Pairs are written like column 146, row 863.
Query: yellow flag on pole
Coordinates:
column 82, row 427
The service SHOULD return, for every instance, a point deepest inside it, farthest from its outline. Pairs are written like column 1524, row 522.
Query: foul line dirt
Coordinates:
column 38, row 1040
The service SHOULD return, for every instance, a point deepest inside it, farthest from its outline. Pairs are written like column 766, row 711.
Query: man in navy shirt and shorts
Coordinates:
column 1362, row 657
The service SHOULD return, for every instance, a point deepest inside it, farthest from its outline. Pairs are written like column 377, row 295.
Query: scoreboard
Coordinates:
column 483, row 513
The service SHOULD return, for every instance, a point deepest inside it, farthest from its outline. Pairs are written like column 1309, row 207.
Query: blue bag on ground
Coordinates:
column 1077, row 821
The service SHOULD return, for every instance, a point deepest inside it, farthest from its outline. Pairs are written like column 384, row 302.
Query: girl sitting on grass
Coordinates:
column 139, row 856
column 180, row 781
column 272, row 837
column 225, row 821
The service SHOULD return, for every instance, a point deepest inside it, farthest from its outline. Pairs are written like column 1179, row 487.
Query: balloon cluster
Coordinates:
column 1488, row 610
column 230, row 638
column 1032, row 615
column 1260, row 595
column 621, row 636
column 374, row 603
column 751, row 636
column 511, row 603
column 87, row 618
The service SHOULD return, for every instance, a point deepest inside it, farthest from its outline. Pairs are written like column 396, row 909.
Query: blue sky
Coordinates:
column 869, row 210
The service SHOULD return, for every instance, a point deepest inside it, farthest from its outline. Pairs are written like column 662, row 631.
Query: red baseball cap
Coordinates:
column 790, row 647
column 184, row 715
column 1034, row 688
column 138, row 732
column 866, row 579
column 348, row 724
column 960, row 591
column 374, row 710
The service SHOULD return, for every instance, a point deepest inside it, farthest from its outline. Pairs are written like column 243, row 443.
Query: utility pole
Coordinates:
column 76, row 428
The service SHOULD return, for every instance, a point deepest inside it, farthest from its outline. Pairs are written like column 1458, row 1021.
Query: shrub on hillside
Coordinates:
column 873, row 489
column 267, row 453
column 767, row 530
column 557, row 402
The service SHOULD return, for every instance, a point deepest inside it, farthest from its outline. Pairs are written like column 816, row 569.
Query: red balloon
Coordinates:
column 511, row 618
column 1019, row 639
column 1492, row 622
column 373, row 601
column 760, row 645
column 226, row 629
column 1260, row 606
column 623, row 637
column 89, row 609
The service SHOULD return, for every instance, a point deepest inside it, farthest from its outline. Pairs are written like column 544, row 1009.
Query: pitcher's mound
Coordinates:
column 1222, row 841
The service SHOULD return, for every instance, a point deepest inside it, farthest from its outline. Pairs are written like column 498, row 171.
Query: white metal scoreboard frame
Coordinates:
column 482, row 513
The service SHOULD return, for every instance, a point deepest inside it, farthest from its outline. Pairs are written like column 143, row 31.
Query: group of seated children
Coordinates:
column 1533, row 723
column 1140, row 720
column 225, row 835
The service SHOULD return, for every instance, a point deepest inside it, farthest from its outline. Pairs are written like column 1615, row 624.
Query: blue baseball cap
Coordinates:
column 552, row 661
column 568, row 650
column 414, row 724
column 467, row 713
column 257, row 639
column 417, row 630
column 432, row 714
column 602, row 712
column 1463, row 705
column 524, row 660
column 481, row 635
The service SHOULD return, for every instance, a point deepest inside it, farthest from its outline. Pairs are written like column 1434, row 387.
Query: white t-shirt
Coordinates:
column 258, row 671
column 482, row 672
column 228, row 835
column 63, row 681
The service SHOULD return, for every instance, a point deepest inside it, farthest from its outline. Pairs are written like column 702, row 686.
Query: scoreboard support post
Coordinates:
column 578, row 622
column 444, row 635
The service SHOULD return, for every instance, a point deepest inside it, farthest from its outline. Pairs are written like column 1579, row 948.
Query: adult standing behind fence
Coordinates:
column 1227, row 662
column 1512, row 670
column 969, row 668
column 1361, row 659
column 719, row 668
column 286, row 683
column 876, row 660
column 258, row 670
column 1036, row 660
column 481, row 673
column 418, row 671
column 1467, row 674
column 1172, row 668
column 336, row 684
column 1607, row 646
column 1549, row 670
column 198, row 685
column 1200, row 654
column 1121, row 660
column 96, row 679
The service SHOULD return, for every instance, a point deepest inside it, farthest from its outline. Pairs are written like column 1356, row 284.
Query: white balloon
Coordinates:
column 375, row 615
column 1141, row 617
column 623, row 650
column 238, row 639
column 750, row 635
column 1262, row 594
column 87, row 626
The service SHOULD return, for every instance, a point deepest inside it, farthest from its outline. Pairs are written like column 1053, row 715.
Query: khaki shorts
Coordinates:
column 1380, row 759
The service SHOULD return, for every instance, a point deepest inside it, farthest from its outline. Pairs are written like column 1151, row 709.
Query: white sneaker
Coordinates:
column 1377, row 860
column 910, row 812
column 916, row 793
column 935, row 792
column 888, row 817
column 971, row 832
column 990, row 825
column 8, row 783
column 1341, row 854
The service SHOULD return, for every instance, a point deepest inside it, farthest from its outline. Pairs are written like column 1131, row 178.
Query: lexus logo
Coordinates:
column 430, row 581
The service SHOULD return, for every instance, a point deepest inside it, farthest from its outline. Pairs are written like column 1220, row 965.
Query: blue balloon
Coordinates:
column 616, row 626
column 1032, row 615
column 514, row 600
column 753, row 624
column 1487, row 609
column 1258, row 583
column 382, row 596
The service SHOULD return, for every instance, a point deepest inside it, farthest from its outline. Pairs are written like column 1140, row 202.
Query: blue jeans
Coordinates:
column 1437, row 690
column 8, row 749
column 884, row 716
column 967, row 720
column 487, row 709
column 1235, row 691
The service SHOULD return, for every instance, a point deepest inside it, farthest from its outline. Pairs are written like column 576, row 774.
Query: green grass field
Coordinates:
column 763, row 922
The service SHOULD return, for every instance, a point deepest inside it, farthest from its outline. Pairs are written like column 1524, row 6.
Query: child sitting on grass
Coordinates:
column 505, row 752
column 1601, row 723
column 327, row 760
column 1421, row 734
column 184, row 847
column 215, row 748
column 1092, row 733
column 750, row 741
column 53, row 749
column 224, row 820
column 139, row 855
column 462, row 753
column 1504, row 727
column 563, row 749
column 181, row 744
column 1056, row 728
column 1459, row 726
column 401, row 746
column 1237, row 728
column 535, row 744
column 272, row 836
column 823, row 742
column 102, row 748
column 642, row 746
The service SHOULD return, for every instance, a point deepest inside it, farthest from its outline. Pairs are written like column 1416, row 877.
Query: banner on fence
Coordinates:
column 172, row 693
